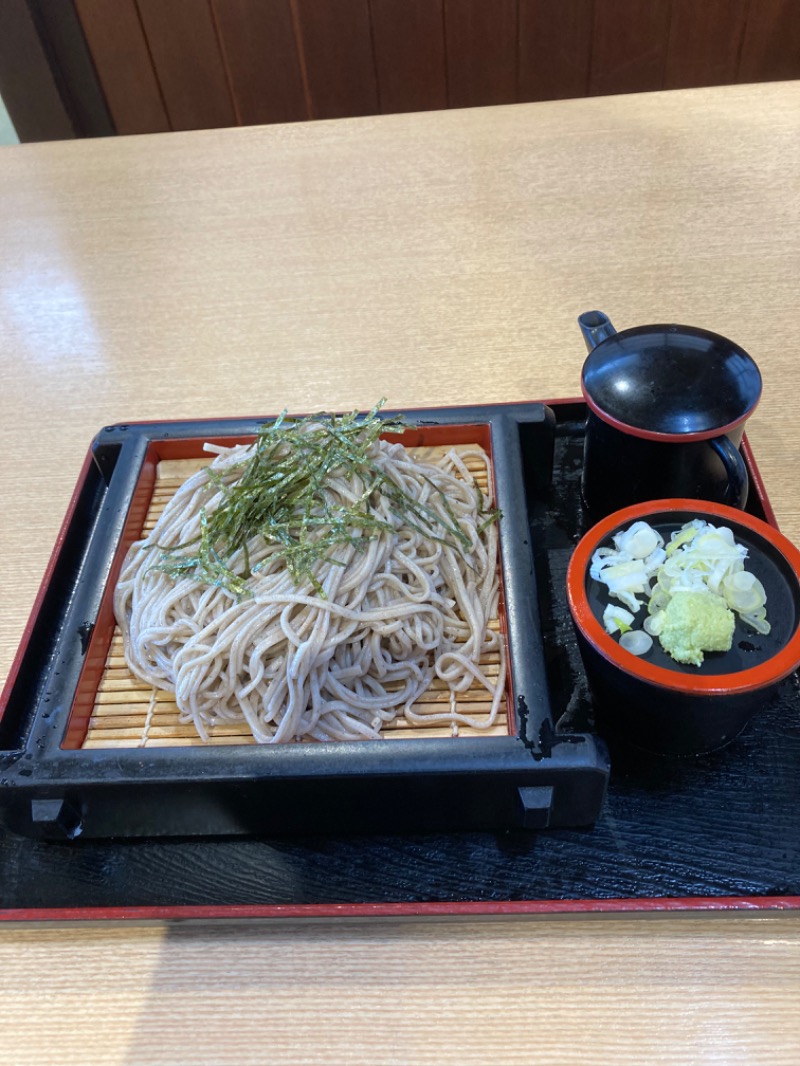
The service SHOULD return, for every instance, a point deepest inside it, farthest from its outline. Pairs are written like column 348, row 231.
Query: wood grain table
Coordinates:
column 434, row 259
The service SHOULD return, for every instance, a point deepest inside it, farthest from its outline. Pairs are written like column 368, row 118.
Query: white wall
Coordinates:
column 7, row 132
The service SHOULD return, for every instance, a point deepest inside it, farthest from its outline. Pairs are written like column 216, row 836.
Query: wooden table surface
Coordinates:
column 436, row 258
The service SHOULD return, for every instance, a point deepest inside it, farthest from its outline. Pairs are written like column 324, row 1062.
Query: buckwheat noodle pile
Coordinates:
column 315, row 583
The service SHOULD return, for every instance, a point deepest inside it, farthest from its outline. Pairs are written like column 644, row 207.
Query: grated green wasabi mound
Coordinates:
column 696, row 622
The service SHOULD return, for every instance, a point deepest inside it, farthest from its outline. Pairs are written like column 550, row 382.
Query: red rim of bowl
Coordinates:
column 649, row 434
column 774, row 669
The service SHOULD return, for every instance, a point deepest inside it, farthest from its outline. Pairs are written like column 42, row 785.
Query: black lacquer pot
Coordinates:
column 652, row 701
column 667, row 410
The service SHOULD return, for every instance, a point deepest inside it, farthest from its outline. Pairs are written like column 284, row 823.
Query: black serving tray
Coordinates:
column 719, row 831
column 51, row 787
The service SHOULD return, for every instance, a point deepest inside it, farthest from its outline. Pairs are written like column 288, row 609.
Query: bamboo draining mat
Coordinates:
column 128, row 713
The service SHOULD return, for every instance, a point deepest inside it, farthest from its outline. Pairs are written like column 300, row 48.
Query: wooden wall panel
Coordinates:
column 65, row 44
column 122, row 60
column 481, row 43
column 629, row 48
column 771, row 46
column 183, row 42
column 27, row 82
column 704, row 42
column 260, row 52
column 336, row 41
column 408, row 38
column 555, row 45
column 195, row 63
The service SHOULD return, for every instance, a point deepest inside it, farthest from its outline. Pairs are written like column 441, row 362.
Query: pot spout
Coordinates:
column 595, row 327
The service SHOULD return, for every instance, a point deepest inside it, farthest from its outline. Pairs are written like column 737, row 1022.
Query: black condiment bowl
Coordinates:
column 664, row 706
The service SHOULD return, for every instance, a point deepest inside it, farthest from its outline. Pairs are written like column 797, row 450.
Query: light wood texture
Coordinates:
column 572, row 992
column 437, row 258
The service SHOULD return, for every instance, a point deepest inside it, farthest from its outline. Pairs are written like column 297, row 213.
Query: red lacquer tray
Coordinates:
column 714, row 834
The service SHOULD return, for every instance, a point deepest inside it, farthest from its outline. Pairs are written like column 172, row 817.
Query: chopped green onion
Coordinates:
column 280, row 495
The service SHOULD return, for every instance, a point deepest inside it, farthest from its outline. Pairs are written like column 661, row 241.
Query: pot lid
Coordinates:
column 670, row 380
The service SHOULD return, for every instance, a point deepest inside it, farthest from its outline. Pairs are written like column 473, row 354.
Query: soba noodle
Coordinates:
column 349, row 646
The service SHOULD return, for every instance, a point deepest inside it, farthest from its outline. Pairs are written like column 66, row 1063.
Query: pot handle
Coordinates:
column 736, row 493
